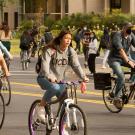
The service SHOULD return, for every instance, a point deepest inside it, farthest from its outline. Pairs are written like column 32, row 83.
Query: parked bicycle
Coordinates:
column 2, row 110
column 107, row 83
column 69, row 116
column 5, row 89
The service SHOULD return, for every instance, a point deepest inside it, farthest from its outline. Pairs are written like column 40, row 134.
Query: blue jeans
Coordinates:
column 117, row 69
column 52, row 89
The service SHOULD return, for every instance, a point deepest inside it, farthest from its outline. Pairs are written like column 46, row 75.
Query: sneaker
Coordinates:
column 118, row 103
column 41, row 113
column 110, row 96
column 65, row 132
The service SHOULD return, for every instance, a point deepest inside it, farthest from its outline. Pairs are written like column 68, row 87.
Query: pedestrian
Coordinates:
column 77, row 39
column 93, row 50
column 85, row 43
column 105, row 45
column 132, row 56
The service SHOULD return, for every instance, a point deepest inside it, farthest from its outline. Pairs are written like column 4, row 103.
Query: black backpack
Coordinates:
column 39, row 60
column 25, row 42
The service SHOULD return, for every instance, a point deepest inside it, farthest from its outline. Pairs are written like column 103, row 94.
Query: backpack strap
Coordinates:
column 69, row 54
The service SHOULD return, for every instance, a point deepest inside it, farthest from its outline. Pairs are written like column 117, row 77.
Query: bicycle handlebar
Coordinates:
column 71, row 84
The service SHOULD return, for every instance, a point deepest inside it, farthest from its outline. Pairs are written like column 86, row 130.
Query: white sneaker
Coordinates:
column 65, row 132
column 40, row 113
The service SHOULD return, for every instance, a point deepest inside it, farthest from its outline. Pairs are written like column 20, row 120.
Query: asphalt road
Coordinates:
column 25, row 90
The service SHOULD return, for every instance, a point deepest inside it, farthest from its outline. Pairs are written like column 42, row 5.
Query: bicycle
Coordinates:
column 68, row 113
column 108, row 86
column 25, row 58
column 5, row 89
column 2, row 110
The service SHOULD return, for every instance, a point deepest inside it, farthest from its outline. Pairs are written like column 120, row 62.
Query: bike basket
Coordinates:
column 102, row 81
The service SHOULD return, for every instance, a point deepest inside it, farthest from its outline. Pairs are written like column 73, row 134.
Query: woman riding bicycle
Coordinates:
column 55, row 59
column 121, row 41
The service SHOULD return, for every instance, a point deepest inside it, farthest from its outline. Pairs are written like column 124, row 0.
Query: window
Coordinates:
column 115, row 4
column 15, row 20
column 6, row 17
column 34, row 6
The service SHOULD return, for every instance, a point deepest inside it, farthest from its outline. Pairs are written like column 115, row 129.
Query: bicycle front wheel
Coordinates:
column 36, row 126
column 2, row 111
column 108, row 98
column 6, row 90
column 73, row 122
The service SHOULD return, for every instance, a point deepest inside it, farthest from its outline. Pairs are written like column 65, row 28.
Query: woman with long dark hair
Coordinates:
column 55, row 59
column 92, row 52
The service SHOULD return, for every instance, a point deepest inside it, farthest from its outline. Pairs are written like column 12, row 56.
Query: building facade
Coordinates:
column 19, row 10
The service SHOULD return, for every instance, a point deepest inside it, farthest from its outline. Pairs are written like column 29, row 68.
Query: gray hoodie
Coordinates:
column 55, row 62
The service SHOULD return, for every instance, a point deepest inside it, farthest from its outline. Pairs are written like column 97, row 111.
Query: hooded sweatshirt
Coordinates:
column 55, row 62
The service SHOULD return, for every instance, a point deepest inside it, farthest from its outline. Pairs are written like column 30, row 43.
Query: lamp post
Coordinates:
column 2, row 3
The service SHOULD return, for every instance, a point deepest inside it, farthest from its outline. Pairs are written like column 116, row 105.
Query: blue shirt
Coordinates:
column 120, row 42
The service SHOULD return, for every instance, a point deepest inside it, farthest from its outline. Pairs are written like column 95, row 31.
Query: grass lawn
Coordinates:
column 15, row 50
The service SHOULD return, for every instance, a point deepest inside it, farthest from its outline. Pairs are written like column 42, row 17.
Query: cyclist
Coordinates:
column 3, row 64
column 121, row 41
column 5, row 37
column 25, row 43
column 34, row 34
column 55, row 60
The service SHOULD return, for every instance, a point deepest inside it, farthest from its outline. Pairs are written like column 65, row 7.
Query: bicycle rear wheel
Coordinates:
column 108, row 98
column 2, row 111
column 6, row 90
column 36, row 127
column 73, row 122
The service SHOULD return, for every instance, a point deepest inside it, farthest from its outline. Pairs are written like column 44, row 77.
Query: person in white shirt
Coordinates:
column 93, row 47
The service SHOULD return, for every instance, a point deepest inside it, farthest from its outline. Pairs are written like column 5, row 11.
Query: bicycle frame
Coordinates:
column 126, row 97
column 130, row 95
column 64, row 106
